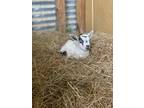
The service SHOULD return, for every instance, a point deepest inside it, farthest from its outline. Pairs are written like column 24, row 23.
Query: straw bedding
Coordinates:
column 68, row 83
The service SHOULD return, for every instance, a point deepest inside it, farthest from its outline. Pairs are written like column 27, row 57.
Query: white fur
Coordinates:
column 75, row 49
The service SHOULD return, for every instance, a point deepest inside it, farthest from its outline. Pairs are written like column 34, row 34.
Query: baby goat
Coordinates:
column 77, row 47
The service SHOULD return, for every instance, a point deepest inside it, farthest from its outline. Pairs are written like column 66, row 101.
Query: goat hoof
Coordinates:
column 64, row 53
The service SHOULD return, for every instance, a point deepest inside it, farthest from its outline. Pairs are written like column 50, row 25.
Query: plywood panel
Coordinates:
column 103, row 15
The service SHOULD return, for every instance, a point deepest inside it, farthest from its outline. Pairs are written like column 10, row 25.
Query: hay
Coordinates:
column 66, row 83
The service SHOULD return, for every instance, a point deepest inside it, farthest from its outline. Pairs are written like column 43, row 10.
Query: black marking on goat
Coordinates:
column 81, row 41
column 84, row 36
column 80, row 34
column 64, row 53
column 74, row 38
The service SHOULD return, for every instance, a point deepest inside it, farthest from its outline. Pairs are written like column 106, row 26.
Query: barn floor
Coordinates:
column 67, row 83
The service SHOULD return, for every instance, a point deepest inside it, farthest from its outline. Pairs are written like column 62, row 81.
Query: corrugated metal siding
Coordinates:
column 71, row 21
column 44, row 15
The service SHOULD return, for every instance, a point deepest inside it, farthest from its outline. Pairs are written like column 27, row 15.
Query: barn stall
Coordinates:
column 59, row 82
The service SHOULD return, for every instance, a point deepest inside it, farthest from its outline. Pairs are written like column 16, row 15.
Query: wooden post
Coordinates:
column 80, row 5
column 88, row 15
column 61, row 19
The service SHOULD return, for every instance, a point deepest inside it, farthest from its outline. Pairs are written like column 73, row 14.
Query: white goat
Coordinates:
column 77, row 47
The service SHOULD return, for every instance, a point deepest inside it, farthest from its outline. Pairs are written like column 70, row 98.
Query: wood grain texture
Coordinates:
column 103, row 15
column 88, row 15
column 80, row 15
column 61, row 18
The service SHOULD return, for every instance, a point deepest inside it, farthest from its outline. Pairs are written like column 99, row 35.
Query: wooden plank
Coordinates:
column 103, row 17
column 80, row 6
column 61, row 19
column 88, row 15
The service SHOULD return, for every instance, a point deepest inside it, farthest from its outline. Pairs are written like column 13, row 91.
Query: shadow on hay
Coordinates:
column 66, row 83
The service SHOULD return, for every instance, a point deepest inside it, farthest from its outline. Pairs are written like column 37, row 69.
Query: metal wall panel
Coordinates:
column 71, row 21
column 44, row 15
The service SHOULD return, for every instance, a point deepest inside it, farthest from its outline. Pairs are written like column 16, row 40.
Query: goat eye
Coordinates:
column 81, row 41
column 86, row 41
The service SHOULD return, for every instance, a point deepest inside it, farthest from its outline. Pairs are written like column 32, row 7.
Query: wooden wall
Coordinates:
column 81, row 15
column 103, row 15
column 61, row 23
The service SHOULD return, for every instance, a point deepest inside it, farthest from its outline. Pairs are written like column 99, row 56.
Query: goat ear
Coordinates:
column 91, row 34
column 80, row 34
column 73, row 36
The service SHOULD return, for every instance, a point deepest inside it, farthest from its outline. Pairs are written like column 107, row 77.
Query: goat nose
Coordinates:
column 87, row 46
